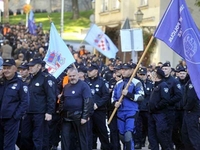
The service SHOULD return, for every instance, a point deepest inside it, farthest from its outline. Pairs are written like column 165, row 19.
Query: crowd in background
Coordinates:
column 153, row 107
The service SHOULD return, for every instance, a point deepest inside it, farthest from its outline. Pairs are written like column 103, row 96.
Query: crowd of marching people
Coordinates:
column 159, row 106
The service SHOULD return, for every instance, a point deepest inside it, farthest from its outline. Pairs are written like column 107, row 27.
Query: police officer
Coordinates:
column 40, row 109
column 142, row 119
column 182, row 76
column 24, row 72
column 158, row 123
column 100, row 96
column 107, row 73
column 175, row 97
column 191, row 119
column 114, row 133
column 76, row 111
column 128, row 108
column 51, row 133
column 13, row 104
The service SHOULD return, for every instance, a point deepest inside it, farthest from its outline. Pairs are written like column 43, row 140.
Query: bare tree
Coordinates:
column 75, row 9
column 6, row 11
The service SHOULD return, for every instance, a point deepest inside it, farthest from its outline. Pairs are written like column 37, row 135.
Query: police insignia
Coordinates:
column 166, row 90
column 50, row 83
column 37, row 84
column 190, row 86
column 92, row 91
column 73, row 92
column 107, row 85
column 25, row 88
column 178, row 86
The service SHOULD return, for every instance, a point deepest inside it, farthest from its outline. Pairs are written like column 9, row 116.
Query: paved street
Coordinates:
column 98, row 147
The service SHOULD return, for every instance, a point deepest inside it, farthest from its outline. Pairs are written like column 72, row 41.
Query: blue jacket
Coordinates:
column 42, row 94
column 129, row 102
column 159, row 98
column 15, row 98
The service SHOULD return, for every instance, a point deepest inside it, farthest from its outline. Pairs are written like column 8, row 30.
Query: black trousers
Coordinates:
column 191, row 131
column 81, row 130
column 32, row 131
column 99, row 129
column 8, row 133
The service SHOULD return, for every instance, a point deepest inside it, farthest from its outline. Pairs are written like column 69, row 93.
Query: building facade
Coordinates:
column 48, row 5
column 110, row 15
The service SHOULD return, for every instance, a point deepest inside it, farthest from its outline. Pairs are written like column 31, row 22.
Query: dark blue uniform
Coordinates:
column 142, row 119
column 100, row 96
column 175, row 97
column 158, row 125
column 13, row 105
column 191, row 119
column 76, row 106
column 42, row 100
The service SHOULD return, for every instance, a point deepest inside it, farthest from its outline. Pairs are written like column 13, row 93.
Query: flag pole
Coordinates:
column 132, row 76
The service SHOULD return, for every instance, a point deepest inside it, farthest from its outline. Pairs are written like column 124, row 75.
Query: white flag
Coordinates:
column 101, row 42
column 58, row 56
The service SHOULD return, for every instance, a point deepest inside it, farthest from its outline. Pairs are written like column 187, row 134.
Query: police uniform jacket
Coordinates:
column 100, row 92
column 159, row 97
column 42, row 94
column 175, row 91
column 148, row 87
column 14, row 101
column 135, row 94
column 191, row 101
column 76, row 100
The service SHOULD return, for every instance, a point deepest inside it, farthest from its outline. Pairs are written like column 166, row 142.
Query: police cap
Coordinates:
column 142, row 70
column 127, row 66
column 23, row 65
column 166, row 64
column 35, row 61
column 160, row 72
column 9, row 62
column 93, row 66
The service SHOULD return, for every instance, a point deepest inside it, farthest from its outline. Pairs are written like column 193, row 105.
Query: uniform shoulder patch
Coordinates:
column 25, row 88
column 166, row 90
column 50, row 82
column 178, row 86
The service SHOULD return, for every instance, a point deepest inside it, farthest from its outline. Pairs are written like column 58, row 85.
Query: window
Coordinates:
column 104, row 5
column 143, row 2
column 115, row 4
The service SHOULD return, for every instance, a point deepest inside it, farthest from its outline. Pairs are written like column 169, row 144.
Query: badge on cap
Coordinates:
column 37, row 84
column 73, row 92
column 25, row 88
column 50, row 82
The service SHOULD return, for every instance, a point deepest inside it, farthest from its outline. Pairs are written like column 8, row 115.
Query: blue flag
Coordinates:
column 31, row 23
column 101, row 42
column 58, row 56
column 178, row 30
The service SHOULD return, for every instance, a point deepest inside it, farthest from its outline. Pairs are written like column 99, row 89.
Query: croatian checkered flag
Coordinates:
column 101, row 42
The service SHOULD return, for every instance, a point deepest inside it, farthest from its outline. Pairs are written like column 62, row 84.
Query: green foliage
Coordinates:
column 69, row 24
column 197, row 3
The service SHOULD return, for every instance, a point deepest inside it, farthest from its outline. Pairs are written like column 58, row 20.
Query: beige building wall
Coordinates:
column 153, row 13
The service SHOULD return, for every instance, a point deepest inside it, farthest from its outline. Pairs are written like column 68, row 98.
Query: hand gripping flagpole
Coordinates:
column 132, row 76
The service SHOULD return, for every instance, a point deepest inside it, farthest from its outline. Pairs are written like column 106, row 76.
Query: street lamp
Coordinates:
column 139, row 16
column 93, row 4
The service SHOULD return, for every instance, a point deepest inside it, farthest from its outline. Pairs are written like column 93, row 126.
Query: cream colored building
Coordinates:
column 111, row 14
